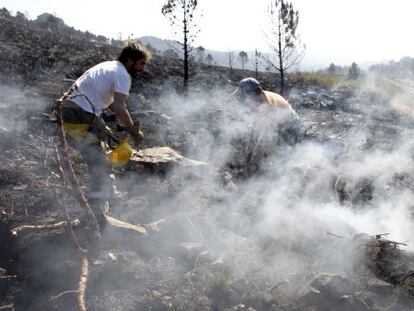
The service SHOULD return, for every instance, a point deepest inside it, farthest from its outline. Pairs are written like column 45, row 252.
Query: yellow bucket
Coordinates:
column 120, row 155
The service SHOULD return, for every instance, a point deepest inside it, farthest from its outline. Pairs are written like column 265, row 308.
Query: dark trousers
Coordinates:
column 90, row 147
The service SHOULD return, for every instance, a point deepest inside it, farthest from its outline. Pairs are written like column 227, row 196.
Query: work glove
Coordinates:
column 136, row 134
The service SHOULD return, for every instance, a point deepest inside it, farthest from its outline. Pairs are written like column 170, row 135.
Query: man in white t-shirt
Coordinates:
column 106, row 84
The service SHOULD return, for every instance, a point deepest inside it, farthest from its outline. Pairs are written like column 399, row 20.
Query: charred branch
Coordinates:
column 58, row 225
column 83, row 284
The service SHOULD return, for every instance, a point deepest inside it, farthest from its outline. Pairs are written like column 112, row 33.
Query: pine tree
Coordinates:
column 200, row 53
column 243, row 58
column 332, row 68
column 257, row 56
column 209, row 59
column 283, row 39
column 181, row 15
column 354, row 71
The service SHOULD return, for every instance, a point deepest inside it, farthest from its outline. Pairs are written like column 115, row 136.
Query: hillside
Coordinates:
column 219, row 58
column 218, row 220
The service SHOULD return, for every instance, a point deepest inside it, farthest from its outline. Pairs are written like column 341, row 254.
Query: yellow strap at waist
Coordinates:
column 75, row 130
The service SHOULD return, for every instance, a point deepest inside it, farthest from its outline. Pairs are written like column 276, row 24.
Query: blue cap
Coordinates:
column 246, row 86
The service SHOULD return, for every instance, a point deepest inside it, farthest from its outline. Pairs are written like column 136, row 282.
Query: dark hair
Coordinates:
column 133, row 51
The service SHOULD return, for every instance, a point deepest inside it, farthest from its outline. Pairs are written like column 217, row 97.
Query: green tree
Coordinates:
column 332, row 68
column 283, row 39
column 354, row 71
column 230, row 56
column 182, row 15
column 257, row 56
column 244, row 58
column 200, row 53
column 209, row 59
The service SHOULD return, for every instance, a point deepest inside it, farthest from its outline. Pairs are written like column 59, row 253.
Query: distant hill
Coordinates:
column 220, row 58
column 45, row 53
column 46, row 50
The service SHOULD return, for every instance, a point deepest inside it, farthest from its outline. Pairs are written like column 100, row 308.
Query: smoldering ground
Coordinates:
column 278, row 221
column 15, row 105
column 265, row 230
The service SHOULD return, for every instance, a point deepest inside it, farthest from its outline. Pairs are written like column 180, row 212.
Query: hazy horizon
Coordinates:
column 334, row 32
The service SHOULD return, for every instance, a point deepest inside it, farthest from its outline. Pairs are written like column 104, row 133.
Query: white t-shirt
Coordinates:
column 98, row 84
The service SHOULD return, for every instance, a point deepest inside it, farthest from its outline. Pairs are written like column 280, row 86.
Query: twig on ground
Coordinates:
column 5, row 277
column 70, row 225
column 125, row 225
column 310, row 134
column 62, row 204
column 83, row 283
column 57, row 225
column 155, row 226
column 68, row 164
column 64, row 293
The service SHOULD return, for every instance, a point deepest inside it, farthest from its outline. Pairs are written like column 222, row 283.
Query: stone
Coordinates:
column 333, row 285
column 380, row 287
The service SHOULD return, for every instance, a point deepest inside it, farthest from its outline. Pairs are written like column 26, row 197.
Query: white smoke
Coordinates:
column 285, row 219
column 18, row 107
column 295, row 195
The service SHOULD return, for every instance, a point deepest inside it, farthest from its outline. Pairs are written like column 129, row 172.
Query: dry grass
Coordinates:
column 322, row 79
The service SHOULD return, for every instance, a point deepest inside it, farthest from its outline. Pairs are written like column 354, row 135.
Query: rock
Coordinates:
column 162, row 158
column 355, row 191
column 242, row 307
column 319, row 301
column 380, row 287
column 260, row 301
column 351, row 303
column 325, row 292
column 311, row 298
column 191, row 246
column 156, row 294
column 161, row 304
column 201, row 303
column 224, row 296
column 333, row 285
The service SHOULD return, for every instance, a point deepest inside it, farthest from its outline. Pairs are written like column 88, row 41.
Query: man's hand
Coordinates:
column 136, row 134
column 124, row 118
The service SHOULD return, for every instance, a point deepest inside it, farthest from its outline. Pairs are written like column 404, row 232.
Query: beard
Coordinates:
column 133, row 73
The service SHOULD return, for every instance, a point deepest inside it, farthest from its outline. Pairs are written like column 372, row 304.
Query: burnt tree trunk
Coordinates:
column 185, row 47
column 281, row 69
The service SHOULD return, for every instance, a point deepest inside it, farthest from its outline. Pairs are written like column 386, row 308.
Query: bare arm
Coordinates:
column 121, row 112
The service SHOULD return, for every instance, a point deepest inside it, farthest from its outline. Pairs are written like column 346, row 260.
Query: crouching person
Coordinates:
column 107, row 83
column 272, row 110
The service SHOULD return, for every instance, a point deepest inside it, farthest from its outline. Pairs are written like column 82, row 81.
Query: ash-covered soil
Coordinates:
column 323, row 225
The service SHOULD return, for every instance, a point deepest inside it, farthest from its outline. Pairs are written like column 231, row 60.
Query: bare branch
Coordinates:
column 58, row 225
column 282, row 38
column 83, row 283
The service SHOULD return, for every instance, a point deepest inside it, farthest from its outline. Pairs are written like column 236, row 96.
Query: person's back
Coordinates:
column 276, row 107
column 278, row 101
column 273, row 110
column 96, row 87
